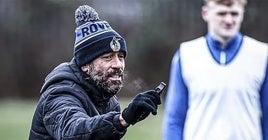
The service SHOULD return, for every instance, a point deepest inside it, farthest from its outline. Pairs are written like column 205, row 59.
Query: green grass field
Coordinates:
column 16, row 116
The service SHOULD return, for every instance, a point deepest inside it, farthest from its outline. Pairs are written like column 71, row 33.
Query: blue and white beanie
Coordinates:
column 94, row 37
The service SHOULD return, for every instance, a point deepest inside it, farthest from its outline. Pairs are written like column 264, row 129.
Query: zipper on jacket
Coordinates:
column 222, row 58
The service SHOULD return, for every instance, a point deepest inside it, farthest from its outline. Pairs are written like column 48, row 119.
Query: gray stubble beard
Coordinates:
column 101, row 80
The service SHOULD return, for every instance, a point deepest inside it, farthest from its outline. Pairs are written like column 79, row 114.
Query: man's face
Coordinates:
column 223, row 21
column 106, row 71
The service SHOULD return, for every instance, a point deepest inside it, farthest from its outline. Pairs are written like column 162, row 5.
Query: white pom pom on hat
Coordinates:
column 84, row 14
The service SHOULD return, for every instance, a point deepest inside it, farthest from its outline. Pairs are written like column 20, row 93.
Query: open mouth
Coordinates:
column 115, row 77
column 228, row 26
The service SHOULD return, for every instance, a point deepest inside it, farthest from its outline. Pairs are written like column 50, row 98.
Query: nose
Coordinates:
column 117, row 63
column 228, row 18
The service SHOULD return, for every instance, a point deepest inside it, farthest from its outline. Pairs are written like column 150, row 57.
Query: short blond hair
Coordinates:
column 228, row 2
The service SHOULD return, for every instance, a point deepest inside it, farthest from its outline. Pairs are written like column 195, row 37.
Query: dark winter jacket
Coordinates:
column 72, row 108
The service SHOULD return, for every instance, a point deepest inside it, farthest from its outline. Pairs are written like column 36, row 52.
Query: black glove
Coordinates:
column 141, row 106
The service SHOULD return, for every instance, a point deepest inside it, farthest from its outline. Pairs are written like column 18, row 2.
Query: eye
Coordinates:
column 222, row 13
column 121, row 55
column 107, row 56
column 234, row 14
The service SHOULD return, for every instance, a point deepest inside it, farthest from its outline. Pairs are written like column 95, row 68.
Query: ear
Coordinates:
column 204, row 12
column 85, row 68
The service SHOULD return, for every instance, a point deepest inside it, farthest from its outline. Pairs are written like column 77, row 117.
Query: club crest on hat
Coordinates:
column 115, row 44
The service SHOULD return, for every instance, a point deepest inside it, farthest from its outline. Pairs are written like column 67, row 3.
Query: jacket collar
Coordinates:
column 230, row 45
column 230, row 49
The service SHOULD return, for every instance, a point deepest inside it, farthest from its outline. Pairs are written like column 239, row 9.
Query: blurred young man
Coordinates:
column 218, row 88
column 78, row 98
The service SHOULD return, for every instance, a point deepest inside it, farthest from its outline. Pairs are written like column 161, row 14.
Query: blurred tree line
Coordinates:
column 37, row 35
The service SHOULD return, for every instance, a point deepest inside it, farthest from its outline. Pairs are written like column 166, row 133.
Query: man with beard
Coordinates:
column 78, row 98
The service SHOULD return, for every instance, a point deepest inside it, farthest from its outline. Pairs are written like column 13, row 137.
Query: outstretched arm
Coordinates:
column 65, row 118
